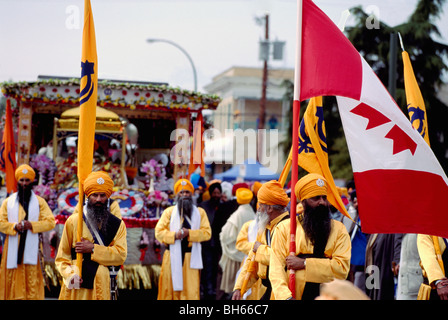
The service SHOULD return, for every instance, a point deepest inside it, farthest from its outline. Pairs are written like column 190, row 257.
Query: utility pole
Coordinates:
column 393, row 65
column 262, row 114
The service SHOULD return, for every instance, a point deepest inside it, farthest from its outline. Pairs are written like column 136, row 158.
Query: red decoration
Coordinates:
column 142, row 254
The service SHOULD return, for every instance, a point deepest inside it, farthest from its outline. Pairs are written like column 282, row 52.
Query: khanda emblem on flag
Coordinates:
column 305, row 144
column 417, row 117
column 87, row 70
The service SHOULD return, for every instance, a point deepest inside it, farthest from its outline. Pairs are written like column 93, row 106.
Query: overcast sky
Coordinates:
column 43, row 37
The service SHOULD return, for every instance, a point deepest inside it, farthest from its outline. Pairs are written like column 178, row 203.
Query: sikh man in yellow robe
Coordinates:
column 435, row 270
column 244, row 243
column 231, row 258
column 182, row 228
column 23, row 215
column 323, row 246
column 272, row 202
column 103, row 244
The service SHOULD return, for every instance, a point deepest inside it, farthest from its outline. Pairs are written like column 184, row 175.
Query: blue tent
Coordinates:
column 254, row 172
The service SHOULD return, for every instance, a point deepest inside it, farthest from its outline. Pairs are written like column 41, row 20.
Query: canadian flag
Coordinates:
column 400, row 184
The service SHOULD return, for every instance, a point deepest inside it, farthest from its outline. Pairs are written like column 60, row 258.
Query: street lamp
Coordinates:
column 185, row 52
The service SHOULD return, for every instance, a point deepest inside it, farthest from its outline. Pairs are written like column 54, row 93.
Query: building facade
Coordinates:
column 237, row 116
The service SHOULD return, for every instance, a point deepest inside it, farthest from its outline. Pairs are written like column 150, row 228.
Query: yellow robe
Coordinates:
column 262, row 258
column 113, row 255
column 337, row 266
column 242, row 241
column 26, row 282
column 243, row 245
column 428, row 257
column 191, row 277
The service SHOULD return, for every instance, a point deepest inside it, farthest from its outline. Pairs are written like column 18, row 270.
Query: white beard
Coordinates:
column 263, row 220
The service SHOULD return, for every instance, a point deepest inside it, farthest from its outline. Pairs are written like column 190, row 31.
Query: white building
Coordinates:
column 236, row 118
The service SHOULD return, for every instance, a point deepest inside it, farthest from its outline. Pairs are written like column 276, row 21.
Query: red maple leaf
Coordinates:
column 401, row 140
column 375, row 117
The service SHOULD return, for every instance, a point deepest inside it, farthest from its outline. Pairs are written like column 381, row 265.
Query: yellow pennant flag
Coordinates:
column 87, row 118
column 313, row 153
column 418, row 118
column 416, row 104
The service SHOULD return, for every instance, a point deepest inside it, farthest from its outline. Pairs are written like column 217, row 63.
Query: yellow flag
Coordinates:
column 313, row 153
column 87, row 102
column 418, row 118
column 416, row 104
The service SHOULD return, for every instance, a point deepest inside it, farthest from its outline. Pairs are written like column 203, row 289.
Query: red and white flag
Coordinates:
column 400, row 184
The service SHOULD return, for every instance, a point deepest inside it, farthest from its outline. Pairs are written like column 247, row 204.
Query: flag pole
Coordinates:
column 295, row 141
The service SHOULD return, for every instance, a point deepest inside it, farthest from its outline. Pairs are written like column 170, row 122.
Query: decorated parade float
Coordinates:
column 133, row 143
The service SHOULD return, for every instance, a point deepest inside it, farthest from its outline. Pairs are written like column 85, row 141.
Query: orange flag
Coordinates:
column 87, row 118
column 197, row 147
column 8, row 152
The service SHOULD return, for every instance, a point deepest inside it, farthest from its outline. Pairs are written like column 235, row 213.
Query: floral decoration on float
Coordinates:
column 131, row 202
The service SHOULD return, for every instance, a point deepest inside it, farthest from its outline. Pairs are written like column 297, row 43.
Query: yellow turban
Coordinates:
column 272, row 193
column 183, row 184
column 311, row 185
column 244, row 195
column 25, row 171
column 256, row 186
column 98, row 182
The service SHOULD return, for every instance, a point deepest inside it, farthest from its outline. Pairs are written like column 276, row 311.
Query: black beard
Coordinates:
column 100, row 213
column 24, row 194
column 317, row 225
column 185, row 206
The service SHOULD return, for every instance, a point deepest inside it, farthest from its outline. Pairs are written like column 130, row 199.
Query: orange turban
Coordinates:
column 98, row 182
column 25, row 171
column 272, row 193
column 243, row 196
column 311, row 185
column 256, row 186
column 183, row 184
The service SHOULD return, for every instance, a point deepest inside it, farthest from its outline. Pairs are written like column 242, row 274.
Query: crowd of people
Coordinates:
column 222, row 241
column 245, row 242
column 101, row 243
